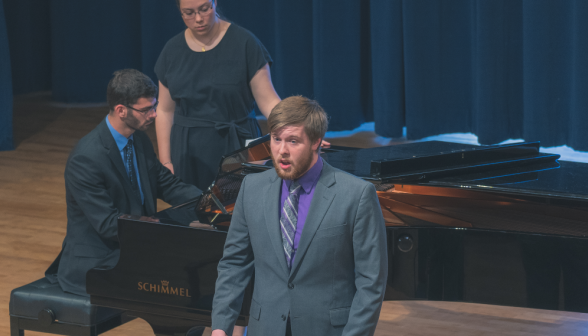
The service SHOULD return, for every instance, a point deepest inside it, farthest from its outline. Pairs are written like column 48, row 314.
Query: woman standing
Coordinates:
column 210, row 76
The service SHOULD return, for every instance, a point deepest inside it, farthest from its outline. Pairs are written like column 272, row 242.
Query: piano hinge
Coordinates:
column 218, row 203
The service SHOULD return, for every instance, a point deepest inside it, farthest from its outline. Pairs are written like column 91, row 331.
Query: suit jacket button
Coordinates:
column 283, row 317
column 291, row 285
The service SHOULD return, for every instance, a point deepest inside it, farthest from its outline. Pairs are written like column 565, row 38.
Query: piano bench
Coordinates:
column 45, row 307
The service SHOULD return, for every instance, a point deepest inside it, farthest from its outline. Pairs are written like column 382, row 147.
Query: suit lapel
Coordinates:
column 113, row 152
column 114, row 155
column 321, row 201
column 144, row 176
column 272, row 218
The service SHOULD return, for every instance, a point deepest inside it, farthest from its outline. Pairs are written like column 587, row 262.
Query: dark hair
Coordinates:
column 299, row 110
column 127, row 86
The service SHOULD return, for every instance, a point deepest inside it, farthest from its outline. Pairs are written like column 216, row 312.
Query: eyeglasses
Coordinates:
column 145, row 110
column 190, row 14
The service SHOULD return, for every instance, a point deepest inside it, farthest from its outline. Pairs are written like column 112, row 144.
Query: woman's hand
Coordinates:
column 325, row 144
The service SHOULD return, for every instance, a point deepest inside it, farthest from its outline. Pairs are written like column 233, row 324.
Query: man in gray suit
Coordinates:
column 313, row 235
column 113, row 170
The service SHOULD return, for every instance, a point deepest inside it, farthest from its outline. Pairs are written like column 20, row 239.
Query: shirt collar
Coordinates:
column 120, row 139
column 309, row 179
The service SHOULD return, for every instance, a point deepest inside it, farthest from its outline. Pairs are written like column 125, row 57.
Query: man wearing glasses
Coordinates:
column 113, row 170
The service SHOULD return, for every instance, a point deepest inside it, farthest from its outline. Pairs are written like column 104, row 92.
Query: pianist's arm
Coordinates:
column 171, row 189
column 234, row 270
column 95, row 191
column 86, row 186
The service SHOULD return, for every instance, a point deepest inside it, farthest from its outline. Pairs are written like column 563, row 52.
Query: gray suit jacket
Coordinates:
column 97, row 192
column 337, row 282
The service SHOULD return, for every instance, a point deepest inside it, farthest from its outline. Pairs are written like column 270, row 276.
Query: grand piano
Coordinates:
column 502, row 225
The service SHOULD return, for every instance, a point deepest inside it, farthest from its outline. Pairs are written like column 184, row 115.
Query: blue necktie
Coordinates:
column 289, row 220
column 128, row 151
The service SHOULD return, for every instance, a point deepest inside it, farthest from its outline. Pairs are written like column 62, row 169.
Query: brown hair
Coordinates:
column 299, row 110
column 127, row 86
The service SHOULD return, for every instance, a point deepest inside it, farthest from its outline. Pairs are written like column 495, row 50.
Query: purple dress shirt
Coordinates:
column 307, row 182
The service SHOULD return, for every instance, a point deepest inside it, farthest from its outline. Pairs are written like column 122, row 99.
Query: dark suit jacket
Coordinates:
column 98, row 191
column 337, row 282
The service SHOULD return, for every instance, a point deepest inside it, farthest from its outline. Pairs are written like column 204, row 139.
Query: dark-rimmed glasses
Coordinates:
column 190, row 14
column 145, row 110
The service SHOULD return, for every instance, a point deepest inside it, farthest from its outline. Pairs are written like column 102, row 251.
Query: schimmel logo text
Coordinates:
column 164, row 288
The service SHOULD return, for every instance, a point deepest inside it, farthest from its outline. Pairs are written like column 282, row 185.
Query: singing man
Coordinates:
column 313, row 235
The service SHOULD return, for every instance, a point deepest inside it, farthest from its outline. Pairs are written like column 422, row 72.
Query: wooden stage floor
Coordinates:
column 33, row 221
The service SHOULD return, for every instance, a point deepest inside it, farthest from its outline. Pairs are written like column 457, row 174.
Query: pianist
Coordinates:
column 113, row 170
column 313, row 235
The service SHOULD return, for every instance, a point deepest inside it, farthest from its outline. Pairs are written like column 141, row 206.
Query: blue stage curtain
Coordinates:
column 321, row 49
column 555, row 68
column 28, row 23
column 463, row 68
column 497, row 111
column 90, row 40
column 160, row 21
column 387, row 53
column 6, row 142
column 500, row 69
column 438, row 38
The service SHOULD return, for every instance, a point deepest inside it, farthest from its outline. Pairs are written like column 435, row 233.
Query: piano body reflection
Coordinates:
column 504, row 225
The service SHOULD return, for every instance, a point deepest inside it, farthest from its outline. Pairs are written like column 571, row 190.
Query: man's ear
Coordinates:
column 315, row 146
column 120, row 111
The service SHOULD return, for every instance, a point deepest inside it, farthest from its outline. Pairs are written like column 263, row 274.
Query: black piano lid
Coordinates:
column 570, row 181
column 516, row 168
column 358, row 162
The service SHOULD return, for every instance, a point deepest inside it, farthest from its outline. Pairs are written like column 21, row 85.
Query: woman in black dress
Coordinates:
column 210, row 76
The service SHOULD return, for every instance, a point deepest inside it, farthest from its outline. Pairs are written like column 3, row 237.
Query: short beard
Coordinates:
column 296, row 171
column 134, row 123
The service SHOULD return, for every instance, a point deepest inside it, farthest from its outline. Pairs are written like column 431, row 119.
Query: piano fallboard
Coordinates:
column 164, row 270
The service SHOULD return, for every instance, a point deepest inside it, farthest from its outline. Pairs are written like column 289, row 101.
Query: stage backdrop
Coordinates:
column 500, row 69
column 6, row 142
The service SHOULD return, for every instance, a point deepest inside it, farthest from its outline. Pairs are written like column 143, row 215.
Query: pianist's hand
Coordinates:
column 194, row 223
column 197, row 224
column 325, row 144
column 218, row 332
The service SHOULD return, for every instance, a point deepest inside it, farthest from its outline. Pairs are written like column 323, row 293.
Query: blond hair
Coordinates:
column 299, row 110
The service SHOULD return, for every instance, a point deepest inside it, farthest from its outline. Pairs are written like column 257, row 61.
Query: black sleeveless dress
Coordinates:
column 214, row 103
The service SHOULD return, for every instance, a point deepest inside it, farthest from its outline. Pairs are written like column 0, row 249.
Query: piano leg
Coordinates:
column 171, row 326
column 556, row 266
column 196, row 331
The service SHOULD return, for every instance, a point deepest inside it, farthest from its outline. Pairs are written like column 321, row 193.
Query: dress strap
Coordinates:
column 235, row 127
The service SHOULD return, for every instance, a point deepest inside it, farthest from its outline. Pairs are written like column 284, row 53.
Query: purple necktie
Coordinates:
column 289, row 220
